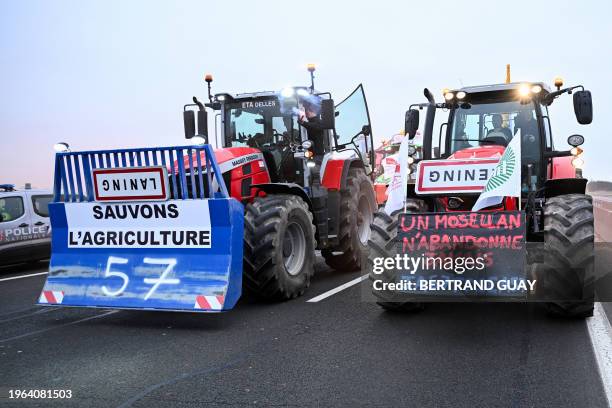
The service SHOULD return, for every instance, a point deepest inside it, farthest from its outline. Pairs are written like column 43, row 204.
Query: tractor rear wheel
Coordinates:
column 279, row 247
column 382, row 245
column 357, row 207
column 567, row 270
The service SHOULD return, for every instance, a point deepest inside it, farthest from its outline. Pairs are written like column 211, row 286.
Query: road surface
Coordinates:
column 338, row 351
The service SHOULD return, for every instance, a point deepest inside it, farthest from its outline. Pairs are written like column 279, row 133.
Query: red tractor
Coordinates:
column 475, row 126
column 305, row 187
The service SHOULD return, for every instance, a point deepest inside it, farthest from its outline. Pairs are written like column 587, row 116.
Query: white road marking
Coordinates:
column 338, row 289
column 600, row 333
column 23, row 276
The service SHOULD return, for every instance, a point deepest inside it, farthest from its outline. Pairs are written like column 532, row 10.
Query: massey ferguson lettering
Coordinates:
column 245, row 159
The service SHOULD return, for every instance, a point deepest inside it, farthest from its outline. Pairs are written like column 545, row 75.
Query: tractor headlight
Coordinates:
column 578, row 163
column 524, row 90
column 311, row 163
column 197, row 140
column 449, row 96
column 287, row 92
column 307, row 144
column 461, row 95
column 536, row 89
column 410, row 160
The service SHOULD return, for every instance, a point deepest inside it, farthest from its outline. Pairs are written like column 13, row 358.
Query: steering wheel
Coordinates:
column 497, row 138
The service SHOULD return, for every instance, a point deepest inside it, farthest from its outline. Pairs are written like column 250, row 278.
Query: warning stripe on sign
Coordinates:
column 209, row 302
column 51, row 296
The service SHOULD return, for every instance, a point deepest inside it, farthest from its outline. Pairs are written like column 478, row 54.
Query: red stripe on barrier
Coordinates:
column 220, row 298
column 202, row 302
column 49, row 296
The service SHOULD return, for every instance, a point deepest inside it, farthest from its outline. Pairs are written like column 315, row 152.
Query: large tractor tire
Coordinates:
column 357, row 207
column 568, row 255
column 382, row 245
column 279, row 247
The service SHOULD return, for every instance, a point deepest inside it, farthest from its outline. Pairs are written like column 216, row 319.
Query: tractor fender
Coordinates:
column 561, row 186
column 336, row 172
column 283, row 188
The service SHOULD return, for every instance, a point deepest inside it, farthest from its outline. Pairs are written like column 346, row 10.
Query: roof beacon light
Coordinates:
column 558, row 82
column 208, row 78
column 311, row 68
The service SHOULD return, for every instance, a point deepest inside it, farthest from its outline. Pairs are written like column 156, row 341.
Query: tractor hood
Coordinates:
column 228, row 158
column 480, row 152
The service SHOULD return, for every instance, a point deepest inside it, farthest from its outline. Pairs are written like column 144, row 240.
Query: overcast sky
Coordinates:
column 111, row 74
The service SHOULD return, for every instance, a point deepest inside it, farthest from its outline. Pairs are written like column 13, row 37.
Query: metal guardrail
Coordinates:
column 187, row 170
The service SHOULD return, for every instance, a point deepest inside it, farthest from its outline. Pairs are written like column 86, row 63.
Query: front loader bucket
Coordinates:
column 182, row 252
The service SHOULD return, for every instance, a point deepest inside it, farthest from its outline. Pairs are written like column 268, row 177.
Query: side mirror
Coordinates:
column 203, row 123
column 365, row 130
column 411, row 123
column 583, row 107
column 328, row 116
column 189, row 123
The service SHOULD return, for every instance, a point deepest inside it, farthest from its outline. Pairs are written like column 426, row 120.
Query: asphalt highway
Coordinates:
column 337, row 351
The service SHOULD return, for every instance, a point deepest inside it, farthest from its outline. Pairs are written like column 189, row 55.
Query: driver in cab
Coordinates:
column 498, row 129
column 309, row 117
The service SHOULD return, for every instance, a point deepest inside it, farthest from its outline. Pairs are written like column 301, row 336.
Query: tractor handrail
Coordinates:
column 73, row 170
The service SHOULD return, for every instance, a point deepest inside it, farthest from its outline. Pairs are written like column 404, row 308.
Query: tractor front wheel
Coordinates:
column 567, row 270
column 279, row 247
column 357, row 207
column 383, row 245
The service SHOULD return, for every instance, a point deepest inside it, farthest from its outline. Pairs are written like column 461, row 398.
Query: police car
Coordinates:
column 25, row 230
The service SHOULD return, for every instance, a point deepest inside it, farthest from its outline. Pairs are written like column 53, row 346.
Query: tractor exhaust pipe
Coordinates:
column 429, row 123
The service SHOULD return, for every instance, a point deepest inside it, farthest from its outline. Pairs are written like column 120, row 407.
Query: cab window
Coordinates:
column 11, row 208
column 40, row 203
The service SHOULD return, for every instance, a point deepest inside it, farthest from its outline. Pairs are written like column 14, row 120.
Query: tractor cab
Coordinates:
column 297, row 130
column 478, row 122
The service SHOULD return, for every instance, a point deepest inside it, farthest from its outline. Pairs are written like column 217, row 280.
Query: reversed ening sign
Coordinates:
column 453, row 176
column 131, row 184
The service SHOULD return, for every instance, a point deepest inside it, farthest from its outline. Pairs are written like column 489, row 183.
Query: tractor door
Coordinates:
column 353, row 117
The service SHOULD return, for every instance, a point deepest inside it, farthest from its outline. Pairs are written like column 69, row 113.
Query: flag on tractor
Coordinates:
column 506, row 178
column 398, row 188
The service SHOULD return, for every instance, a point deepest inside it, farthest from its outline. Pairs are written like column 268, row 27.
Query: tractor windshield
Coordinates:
column 258, row 122
column 480, row 124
